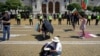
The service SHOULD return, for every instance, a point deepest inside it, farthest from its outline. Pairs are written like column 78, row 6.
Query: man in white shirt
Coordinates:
column 55, row 47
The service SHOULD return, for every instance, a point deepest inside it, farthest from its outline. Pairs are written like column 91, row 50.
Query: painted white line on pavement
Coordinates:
column 23, row 27
column 21, row 30
column 43, row 42
column 16, row 35
column 54, row 30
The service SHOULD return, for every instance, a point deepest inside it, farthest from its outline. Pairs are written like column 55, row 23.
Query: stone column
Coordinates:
column 33, row 8
column 47, row 8
column 53, row 7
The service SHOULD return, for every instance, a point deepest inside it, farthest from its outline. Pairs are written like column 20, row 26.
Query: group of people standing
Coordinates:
column 18, row 19
column 76, row 18
column 71, row 18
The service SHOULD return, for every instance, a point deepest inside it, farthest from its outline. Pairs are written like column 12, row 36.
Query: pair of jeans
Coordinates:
column 6, row 32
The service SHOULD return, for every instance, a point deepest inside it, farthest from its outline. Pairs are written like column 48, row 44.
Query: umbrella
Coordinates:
column 48, row 26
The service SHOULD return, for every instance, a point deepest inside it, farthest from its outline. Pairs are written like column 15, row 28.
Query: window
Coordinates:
column 35, row 6
column 92, row 0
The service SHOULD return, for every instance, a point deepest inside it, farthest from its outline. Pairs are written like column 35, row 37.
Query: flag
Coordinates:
column 74, row 10
column 84, row 4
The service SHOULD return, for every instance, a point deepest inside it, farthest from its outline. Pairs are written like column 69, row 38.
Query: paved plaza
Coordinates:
column 25, row 41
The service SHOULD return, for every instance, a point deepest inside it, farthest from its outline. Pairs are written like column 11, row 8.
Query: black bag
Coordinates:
column 43, row 52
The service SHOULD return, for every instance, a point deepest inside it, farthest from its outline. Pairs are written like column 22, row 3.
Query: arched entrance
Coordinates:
column 50, row 7
column 57, row 7
column 44, row 8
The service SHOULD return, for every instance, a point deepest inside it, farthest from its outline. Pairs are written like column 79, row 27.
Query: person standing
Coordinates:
column 50, row 18
column 44, row 29
column 73, row 20
column 97, row 19
column 68, row 19
column 31, row 19
column 77, row 18
column 6, row 25
column 18, row 19
column 83, row 26
column 1, row 25
column 54, row 16
column 40, row 18
column 89, row 19
column 59, row 18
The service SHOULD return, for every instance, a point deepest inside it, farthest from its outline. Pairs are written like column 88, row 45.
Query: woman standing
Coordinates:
column 83, row 26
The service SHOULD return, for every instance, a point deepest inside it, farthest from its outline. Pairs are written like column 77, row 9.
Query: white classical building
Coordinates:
column 53, row 6
column 49, row 6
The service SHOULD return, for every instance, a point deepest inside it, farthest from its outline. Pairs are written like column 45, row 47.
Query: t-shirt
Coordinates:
column 6, row 19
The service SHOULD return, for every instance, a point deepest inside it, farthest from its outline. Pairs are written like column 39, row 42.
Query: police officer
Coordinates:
column 89, row 19
column 97, row 19
column 50, row 18
column 40, row 18
column 31, row 19
column 59, row 18
column 18, row 19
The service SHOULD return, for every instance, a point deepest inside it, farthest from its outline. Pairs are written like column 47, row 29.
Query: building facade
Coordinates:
column 53, row 6
column 49, row 6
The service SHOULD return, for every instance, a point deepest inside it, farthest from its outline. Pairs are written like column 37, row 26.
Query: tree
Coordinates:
column 96, row 9
column 99, row 9
column 74, row 5
column 3, row 7
column 13, row 4
column 90, row 8
column 26, row 8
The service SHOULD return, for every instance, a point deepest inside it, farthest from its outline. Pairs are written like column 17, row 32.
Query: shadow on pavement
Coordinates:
column 66, row 30
column 1, row 39
column 98, row 34
column 40, row 37
column 75, row 37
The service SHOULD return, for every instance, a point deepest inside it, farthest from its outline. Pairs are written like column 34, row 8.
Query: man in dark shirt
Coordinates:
column 6, row 25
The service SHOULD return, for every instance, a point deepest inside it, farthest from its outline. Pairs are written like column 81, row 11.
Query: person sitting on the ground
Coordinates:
column 53, row 48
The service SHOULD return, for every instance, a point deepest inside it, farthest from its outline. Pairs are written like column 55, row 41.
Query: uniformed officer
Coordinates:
column 40, row 18
column 59, row 18
column 18, row 19
column 50, row 18
column 89, row 19
column 31, row 19
column 97, row 19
